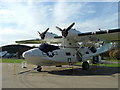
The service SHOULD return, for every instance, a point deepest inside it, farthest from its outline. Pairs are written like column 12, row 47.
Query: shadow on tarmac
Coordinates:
column 92, row 71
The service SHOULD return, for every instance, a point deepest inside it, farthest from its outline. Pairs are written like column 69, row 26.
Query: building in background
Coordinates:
column 14, row 50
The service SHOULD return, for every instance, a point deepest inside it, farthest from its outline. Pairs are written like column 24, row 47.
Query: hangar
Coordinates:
column 15, row 49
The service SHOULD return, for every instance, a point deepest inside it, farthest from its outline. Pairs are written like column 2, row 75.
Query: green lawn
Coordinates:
column 20, row 60
column 11, row 60
column 107, row 65
column 111, row 59
column 110, row 65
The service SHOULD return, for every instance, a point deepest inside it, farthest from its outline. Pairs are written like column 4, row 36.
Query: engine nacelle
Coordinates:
column 73, row 34
column 49, row 36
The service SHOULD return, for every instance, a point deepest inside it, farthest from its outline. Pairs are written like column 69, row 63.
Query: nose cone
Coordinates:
column 32, row 53
column 26, row 54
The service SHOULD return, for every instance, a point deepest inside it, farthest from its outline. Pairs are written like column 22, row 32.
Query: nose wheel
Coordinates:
column 85, row 65
column 39, row 68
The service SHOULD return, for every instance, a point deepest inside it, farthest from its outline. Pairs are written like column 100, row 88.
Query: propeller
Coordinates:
column 65, row 30
column 42, row 35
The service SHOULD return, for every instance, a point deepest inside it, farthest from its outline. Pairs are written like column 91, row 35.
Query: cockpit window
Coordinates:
column 48, row 48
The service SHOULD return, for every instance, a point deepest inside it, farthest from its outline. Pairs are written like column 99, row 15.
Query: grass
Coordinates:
column 114, row 60
column 110, row 65
column 111, row 59
column 5, row 60
column 105, row 65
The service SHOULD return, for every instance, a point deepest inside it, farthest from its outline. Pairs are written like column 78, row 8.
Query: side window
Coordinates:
column 68, row 53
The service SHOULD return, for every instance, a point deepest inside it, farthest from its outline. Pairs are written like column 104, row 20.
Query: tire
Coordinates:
column 39, row 68
column 85, row 65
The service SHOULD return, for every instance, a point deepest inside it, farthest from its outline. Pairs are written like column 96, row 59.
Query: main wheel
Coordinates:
column 39, row 68
column 85, row 65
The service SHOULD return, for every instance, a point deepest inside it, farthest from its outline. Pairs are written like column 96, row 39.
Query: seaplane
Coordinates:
column 71, row 47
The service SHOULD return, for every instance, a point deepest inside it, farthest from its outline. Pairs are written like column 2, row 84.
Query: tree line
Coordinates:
column 115, row 53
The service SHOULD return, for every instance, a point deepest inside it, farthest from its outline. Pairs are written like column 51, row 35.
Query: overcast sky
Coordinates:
column 21, row 20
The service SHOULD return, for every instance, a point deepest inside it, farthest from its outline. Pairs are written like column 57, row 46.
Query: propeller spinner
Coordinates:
column 42, row 35
column 65, row 30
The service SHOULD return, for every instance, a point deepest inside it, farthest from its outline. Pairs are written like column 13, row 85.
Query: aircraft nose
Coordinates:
column 32, row 53
column 26, row 54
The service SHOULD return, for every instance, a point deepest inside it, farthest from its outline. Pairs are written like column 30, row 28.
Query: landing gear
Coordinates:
column 96, row 59
column 85, row 65
column 39, row 68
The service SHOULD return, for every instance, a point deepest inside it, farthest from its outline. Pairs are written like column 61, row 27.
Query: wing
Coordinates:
column 39, row 41
column 108, row 36
column 31, row 41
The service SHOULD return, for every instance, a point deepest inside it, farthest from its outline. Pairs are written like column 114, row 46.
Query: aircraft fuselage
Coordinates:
column 56, row 57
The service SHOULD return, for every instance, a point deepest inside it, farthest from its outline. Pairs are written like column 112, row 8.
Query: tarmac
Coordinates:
column 13, row 76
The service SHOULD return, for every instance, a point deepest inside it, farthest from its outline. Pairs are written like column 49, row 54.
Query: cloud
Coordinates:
column 9, row 35
column 65, row 11
column 22, row 20
column 109, row 22
column 6, row 16
column 6, row 12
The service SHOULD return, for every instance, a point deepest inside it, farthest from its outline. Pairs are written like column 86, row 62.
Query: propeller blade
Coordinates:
column 42, row 35
column 70, row 26
column 45, row 31
column 39, row 32
column 59, row 28
column 65, row 31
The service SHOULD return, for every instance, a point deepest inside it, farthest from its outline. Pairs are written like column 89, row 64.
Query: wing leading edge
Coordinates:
column 38, row 41
column 110, row 35
column 31, row 41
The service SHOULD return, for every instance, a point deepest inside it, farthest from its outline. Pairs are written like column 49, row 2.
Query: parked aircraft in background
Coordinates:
column 5, row 54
